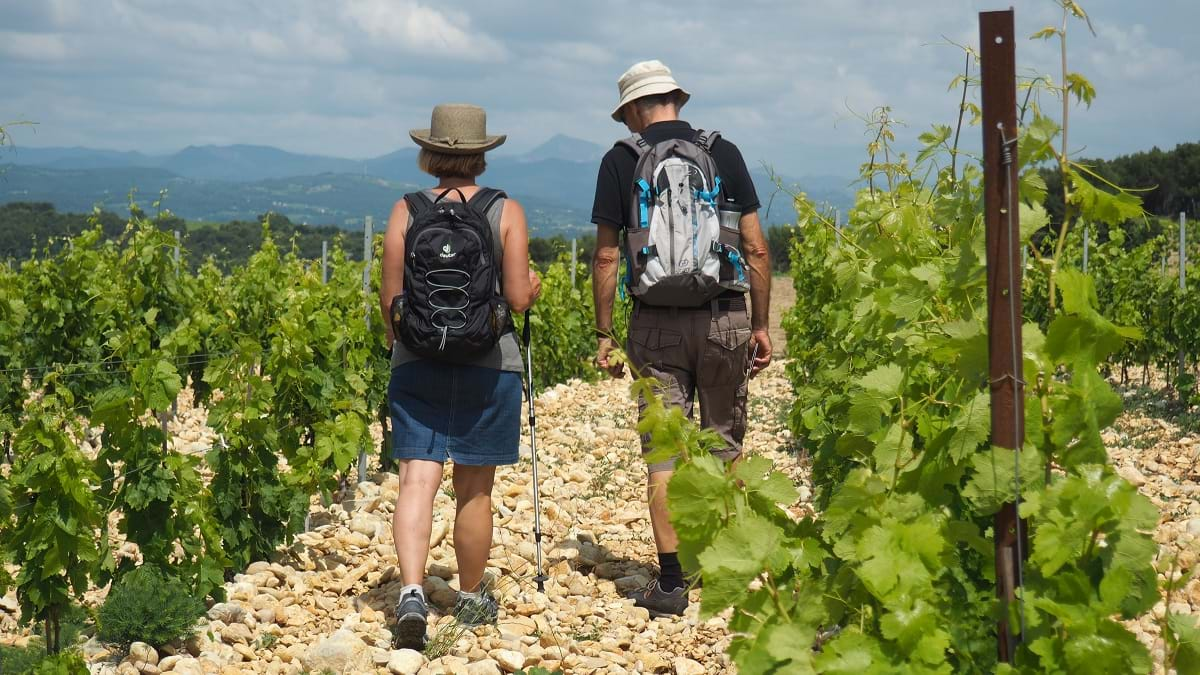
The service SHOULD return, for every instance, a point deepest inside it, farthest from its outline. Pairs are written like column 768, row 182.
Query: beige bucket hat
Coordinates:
column 647, row 79
column 457, row 129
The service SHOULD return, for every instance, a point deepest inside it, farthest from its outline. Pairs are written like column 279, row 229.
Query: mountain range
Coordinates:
column 555, row 181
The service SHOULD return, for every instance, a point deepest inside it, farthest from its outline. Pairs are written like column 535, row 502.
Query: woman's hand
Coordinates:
column 535, row 285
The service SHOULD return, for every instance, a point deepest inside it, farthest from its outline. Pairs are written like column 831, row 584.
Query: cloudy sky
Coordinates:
column 350, row 77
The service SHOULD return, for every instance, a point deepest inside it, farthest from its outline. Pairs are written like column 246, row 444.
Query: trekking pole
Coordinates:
column 537, row 509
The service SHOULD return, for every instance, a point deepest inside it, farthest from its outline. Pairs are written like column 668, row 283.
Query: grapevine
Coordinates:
column 896, row 573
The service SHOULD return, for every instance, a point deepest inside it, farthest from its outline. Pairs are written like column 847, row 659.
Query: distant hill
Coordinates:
column 251, row 162
column 565, row 148
column 555, row 181
column 332, row 198
column 77, row 158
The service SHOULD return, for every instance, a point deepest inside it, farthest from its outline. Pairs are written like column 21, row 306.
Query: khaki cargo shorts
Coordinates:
column 696, row 353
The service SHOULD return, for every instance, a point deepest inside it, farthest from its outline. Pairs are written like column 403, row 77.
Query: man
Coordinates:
column 702, row 348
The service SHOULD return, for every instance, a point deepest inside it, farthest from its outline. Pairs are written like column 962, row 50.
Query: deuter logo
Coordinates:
column 447, row 253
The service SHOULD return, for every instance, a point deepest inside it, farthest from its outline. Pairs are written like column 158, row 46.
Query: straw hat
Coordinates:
column 647, row 79
column 457, row 129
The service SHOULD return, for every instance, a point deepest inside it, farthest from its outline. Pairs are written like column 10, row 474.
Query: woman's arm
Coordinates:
column 521, row 285
column 391, row 282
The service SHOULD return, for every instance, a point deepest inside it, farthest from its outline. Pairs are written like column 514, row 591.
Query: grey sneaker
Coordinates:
column 659, row 602
column 412, row 615
column 476, row 611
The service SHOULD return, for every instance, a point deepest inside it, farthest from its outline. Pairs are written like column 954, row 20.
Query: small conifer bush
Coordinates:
column 148, row 606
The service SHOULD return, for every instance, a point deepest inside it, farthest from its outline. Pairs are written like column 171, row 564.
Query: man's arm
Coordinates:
column 605, row 262
column 758, row 259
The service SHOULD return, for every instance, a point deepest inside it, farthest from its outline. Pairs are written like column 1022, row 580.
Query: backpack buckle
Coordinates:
column 711, row 195
column 735, row 259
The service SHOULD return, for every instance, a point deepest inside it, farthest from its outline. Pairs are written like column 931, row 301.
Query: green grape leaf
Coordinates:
column 993, row 474
column 1185, row 636
column 737, row 555
column 852, row 653
column 1099, row 206
column 1082, row 89
column 883, row 380
column 1110, row 650
column 743, row 546
column 972, row 426
column 866, row 411
column 1033, row 218
column 696, row 486
column 918, row 631
column 790, row 644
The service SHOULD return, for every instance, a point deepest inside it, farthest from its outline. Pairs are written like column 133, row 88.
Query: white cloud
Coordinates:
column 1132, row 53
column 34, row 46
column 267, row 44
column 349, row 77
column 413, row 27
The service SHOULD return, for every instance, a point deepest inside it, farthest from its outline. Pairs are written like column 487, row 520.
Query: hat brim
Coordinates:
column 422, row 138
column 651, row 87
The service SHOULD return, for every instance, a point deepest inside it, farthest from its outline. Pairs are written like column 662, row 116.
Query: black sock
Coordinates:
column 670, row 575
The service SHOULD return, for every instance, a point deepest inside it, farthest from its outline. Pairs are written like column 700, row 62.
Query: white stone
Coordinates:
column 142, row 654
column 405, row 662
column 187, row 665
column 484, row 667
column 227, row 612
column 1131, row 474
column 341, row 652
column 235, row 633
column 364, row 525
column 687, row 667
column 509, row 660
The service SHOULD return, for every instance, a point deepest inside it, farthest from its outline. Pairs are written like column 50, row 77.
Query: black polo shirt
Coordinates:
column 614, row 184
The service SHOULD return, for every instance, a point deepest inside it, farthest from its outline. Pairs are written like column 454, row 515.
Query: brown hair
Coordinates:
column 443, row 165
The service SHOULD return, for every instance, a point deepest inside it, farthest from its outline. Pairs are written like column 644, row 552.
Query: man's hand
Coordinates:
column 612, row 367
column 535, row 284
column 762, row 358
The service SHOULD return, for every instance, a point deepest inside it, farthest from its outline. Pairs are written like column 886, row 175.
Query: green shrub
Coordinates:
column 65, row 663
column 29, row 659
column 148, row 606
column 20, row 660
column 33, row 660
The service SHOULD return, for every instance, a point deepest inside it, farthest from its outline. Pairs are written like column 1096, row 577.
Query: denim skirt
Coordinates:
column 468, row 414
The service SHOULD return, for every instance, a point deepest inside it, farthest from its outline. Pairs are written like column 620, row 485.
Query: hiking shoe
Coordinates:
column 412, row 615
column 659, row 602
column 476, row 611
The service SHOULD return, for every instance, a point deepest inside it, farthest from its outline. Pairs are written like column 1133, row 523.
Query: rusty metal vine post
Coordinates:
column 999, row 93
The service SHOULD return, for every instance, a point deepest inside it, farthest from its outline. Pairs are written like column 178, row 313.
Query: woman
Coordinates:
column 469, row 413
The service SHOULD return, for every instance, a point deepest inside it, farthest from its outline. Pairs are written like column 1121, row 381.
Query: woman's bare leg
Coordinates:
column 473, row 523
column 412, row 520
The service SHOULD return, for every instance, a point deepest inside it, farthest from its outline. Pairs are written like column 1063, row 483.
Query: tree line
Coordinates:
column 1168, row 182
column 36, row 229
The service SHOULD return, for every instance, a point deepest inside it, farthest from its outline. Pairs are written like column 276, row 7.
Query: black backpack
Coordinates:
column 451, row 309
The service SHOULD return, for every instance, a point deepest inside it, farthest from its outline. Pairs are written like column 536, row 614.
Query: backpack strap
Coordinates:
column 418, row 203
column 706, row 139
column 485, row 198
column 636, row 143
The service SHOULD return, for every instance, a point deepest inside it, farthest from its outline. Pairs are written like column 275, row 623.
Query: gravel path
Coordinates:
column 323, row 604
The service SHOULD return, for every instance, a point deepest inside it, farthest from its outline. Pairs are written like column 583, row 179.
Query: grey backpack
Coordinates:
column 681, row 249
